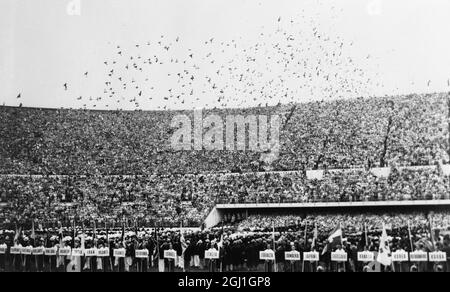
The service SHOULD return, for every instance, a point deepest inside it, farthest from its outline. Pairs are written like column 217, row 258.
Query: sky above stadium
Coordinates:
column 178, row 54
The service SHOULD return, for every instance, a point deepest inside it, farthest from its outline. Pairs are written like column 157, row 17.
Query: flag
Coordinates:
column 220, row 243
column 384, row 252
column 33, row 234
column 61, row 236
column 334, row 239
column 18, row 234
column 182, row 239
column 82, row 242
column 432, row 234
column 183, row 243
column 315, row 235
column 410, row 237
column 364, row 241
column 426, row 243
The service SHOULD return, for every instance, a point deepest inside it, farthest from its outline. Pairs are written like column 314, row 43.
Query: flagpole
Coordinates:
column 430, row 220
column 34, row 242
column 344, row 263
column 365, row 235
column 220, row 247
column 303, row 263
column 410, row 239
column 274, row 248
column 157, row 245
column 313, row 248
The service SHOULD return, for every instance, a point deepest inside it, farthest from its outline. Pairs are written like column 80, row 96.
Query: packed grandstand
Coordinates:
column 113, row 175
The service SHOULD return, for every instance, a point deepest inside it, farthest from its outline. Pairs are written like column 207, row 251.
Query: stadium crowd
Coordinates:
column 388, row 131
column 110, row 166
column 172, row 198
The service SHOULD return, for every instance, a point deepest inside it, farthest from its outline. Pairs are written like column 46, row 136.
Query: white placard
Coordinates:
column 400, row 256
column 119, row 252
column 365, row 256
column 15, row 250
column 381, row 171
column 50, row 251
column 90, row 252
column 142, row 253
column 437, row 256
column 170, row 254
column 38, row 251
column 211, row 254
column 103, row 252
column 418, row 256
column 312, row 256
column 77, row 252
column 314, row 174
column 267, row 255
column 2, row 250
column 27, row 250
column 292, row 255
column 339, row 256
column 64, row 251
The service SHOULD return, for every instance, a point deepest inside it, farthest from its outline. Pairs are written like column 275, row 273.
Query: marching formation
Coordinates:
column 333, row 242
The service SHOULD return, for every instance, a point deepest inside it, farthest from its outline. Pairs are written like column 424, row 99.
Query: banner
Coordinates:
column 170, row 254
column 90, row 252
column 141, row 254
column 292, row 255
column 77, row 252
column 438, row 256
column 119, row 253
column 445, row 169
column 267, row 255
column 26, row 250
column 50, row 251
column 365, row 256
column 400, row 256
column 381, row 171
column 312, row 256
column 103, row 252
column 15, row 250
column 64, row 251
column 314, row 174
column 418, row 256
column 211, row 254
column 38, row 251
column 339, row 256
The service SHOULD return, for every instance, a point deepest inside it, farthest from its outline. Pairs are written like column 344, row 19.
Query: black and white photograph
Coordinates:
column 244, row 137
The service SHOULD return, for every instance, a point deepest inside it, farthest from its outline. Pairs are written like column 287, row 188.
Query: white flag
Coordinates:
column 384, row 252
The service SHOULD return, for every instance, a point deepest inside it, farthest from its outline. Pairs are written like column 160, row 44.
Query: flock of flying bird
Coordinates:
column 293, row 59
